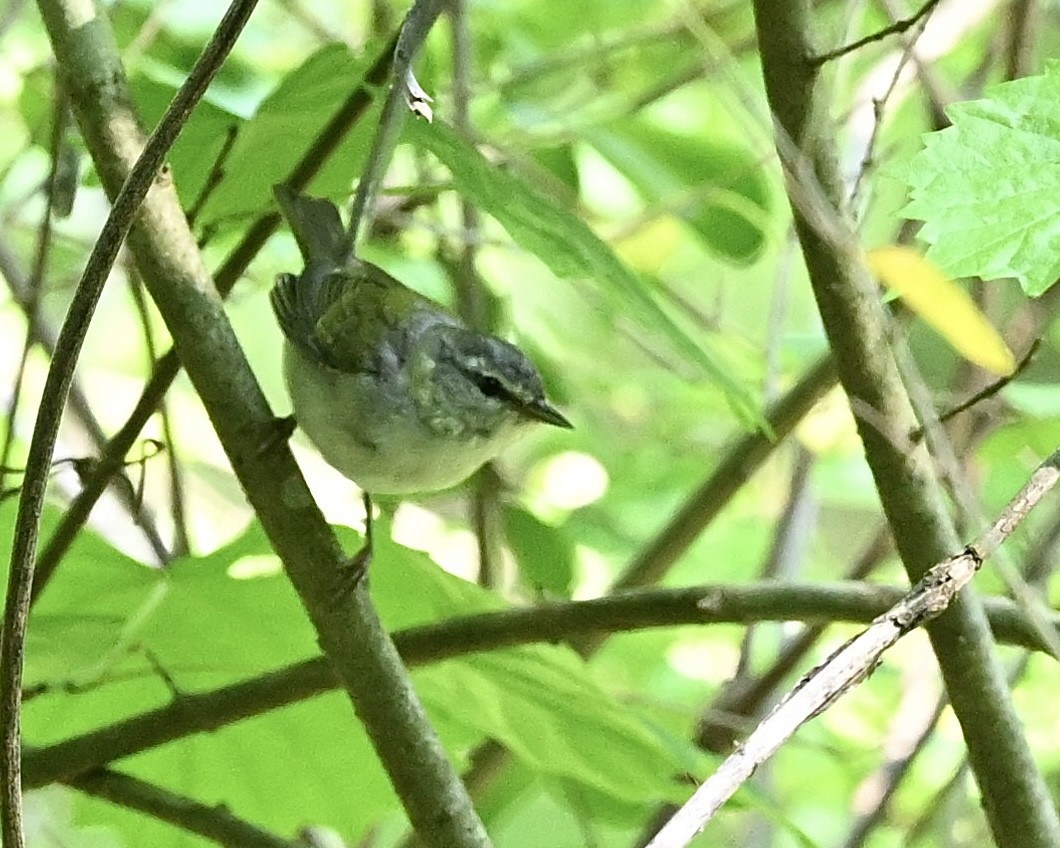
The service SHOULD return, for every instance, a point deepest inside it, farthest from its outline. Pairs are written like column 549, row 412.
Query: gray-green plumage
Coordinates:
column 395, row 392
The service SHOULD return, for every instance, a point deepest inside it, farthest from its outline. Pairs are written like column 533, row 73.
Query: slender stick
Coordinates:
column 57, row 387
column 418, row 23
column 853, row 662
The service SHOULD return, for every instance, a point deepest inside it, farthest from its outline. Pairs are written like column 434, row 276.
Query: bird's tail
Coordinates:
column 316, row 226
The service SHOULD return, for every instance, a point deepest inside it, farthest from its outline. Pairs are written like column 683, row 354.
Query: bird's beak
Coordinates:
column 542, row 410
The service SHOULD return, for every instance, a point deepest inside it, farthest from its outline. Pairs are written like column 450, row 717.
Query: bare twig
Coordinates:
column 879, row 35
column 418, row 22
column 985, row 393
column 853, row 662
column 57, row 386
column 178, row 512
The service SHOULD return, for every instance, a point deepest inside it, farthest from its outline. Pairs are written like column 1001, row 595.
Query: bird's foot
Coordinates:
column 280, row 434
column 352, row 573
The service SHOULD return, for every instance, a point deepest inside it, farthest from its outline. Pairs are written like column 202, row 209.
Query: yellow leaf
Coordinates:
column 943, row 304
column 650, row 246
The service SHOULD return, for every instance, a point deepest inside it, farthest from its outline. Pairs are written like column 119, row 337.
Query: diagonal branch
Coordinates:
column 853, row 662
column 215, row 823
column 347, row 625
column 129, row 193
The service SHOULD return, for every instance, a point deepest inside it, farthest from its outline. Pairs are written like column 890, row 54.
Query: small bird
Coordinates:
column 394, row 390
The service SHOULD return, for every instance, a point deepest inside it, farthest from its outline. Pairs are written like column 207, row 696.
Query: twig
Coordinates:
column 46, row 337
column 474, row 305
column 31, row 306
column 180, row 545
column 56, row 389
column 879, row 35
column 984, row 394
column 215, row 822
column 216, row 174
column 739, row 462
column 887, row 779
column 418, row 22
column 853, row 662
column 878, row 106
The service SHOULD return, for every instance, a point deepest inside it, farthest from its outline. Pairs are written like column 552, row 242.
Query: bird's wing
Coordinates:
column 366, row 314
column 345, row 313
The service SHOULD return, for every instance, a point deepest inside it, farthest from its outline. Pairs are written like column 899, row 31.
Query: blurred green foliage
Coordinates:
column 635, row 234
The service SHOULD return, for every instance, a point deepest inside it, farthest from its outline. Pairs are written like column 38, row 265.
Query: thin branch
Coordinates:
column 418, row 23
column 887, row 779
column 815, row 604
column 57, row 387
column 738, row 463
column 46, row 337
column 474, row 304
column 893, row 29
column 31, row 306
column 215, row 176
column 112, row 456
column 177, row 508
column 984, row 394
column 852, row 663
column 215, row 823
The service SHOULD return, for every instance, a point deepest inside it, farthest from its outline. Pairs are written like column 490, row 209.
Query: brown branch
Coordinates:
column 215, row 823
column 892, row 29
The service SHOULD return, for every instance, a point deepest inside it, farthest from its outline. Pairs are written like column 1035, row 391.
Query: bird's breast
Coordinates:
column 366, row 426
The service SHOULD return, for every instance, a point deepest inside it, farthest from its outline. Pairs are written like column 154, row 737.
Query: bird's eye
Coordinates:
column 490, row 386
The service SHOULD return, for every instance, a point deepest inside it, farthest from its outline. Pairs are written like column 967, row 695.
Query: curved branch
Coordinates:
column 129, row 196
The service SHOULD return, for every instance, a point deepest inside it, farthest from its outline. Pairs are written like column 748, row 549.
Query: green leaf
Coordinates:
column 201, row 625
column 541, row 704
column 545, row 559
column 988, row 187
column 719, row 188
column 284, row 127
column 567, row 245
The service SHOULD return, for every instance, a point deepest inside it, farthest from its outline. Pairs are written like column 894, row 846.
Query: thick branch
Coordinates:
column 348, row 627
column 128, row 189
column 1017, row 805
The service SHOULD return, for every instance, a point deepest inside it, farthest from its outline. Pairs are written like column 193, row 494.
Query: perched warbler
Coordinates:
column 395, row 391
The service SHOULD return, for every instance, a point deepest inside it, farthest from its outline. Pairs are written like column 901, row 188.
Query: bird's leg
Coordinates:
column 282, row 430
column 355, row 569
